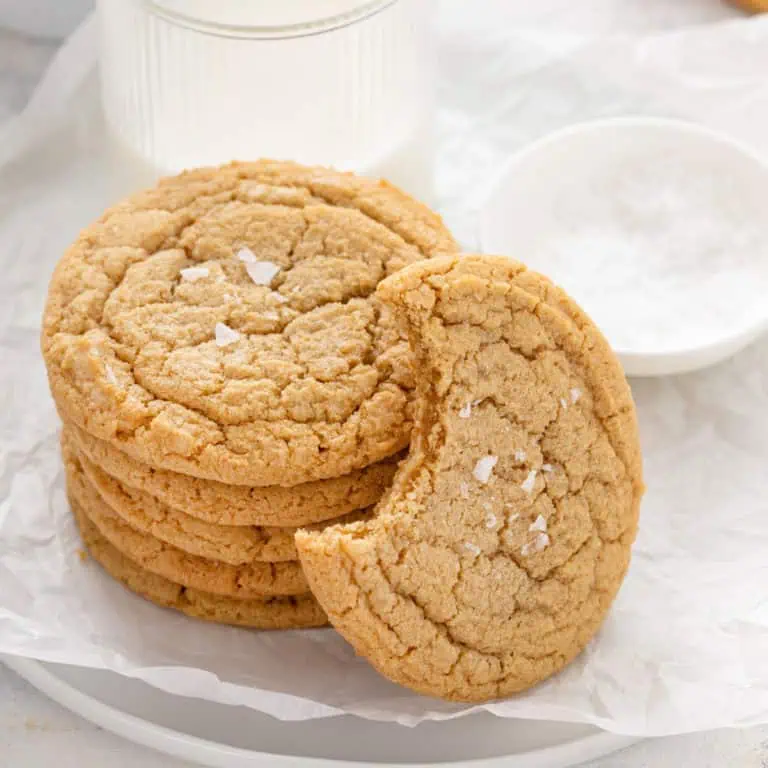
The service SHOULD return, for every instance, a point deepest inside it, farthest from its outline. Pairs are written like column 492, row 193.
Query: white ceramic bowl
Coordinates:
column 524, row 214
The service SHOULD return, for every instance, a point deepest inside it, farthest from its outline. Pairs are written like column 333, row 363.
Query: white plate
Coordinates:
column 524, row 209
column 236, row 737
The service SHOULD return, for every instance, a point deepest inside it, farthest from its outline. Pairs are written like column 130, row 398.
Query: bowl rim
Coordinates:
column 680, row 359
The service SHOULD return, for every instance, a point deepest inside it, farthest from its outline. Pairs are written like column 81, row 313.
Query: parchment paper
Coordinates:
column 686, row 645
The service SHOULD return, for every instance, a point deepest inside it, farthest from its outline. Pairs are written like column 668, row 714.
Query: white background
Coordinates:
column 36, row 732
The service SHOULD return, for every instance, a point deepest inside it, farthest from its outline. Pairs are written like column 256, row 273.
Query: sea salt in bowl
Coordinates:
column 658, row 228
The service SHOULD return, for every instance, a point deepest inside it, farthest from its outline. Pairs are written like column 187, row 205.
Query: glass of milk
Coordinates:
column 343, row 83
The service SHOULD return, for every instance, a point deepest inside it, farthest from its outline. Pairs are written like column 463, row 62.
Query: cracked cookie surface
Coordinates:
column 251, row 580
column 267, row 613
column 236, row 545
column 225, row 325
column 506, row 535
column 241, row 505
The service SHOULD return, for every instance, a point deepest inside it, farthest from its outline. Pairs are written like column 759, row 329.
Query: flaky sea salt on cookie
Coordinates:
column 225, row 324
column 507, row 533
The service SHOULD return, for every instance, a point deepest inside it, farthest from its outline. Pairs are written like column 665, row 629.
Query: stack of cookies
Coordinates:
column 228, row 354
column 226, row 375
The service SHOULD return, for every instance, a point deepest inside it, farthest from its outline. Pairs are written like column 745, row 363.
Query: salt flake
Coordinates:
column 520, row 456
column 575, row 395
column 464, row 490
column 466, row 410
column 539, row 524
column 247, row 256
column 547, row 468
column 484, row 468
column 225, row 335
column 262, row 272
column 564, row 403
column 190, row 274
column 529, row 482
column 537, row 545
column 110, row 374
column 490, row 521
column 471, row 547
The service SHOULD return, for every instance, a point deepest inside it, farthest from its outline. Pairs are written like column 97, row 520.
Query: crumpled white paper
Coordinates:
column 686, row 645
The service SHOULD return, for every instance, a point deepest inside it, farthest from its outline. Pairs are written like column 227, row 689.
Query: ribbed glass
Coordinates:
column 352, row 90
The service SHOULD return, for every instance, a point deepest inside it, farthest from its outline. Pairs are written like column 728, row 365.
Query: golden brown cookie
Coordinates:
column 224, row 324
column 222, row 504
column 244, row 581
column 753, row 6
column 236, row 545
column 507, row 533
column 267, row 613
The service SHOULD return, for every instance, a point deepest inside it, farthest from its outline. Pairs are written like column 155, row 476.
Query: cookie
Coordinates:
column 225, row 325
column 222, row 504
column 268, row 613
column 507, row 532
column 253, row 580
column 236, row 545
column 753, row 6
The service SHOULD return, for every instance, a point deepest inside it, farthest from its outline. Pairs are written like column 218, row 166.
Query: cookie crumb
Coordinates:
column 225, row 335
column 529, row 482
column 464, row 490
column 261, row 272
column 520, row 456
column 490, row 521
column 471, row 547
column 190, row 274
column 110, row 374
column 547, row 468
column 539, row 524
column 484, row 468
column 537, row 545
column 575, row 395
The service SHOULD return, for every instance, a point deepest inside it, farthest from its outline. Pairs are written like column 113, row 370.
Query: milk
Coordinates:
column 192, row 82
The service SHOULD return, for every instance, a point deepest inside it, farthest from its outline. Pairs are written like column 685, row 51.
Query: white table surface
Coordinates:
column 36, row 732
